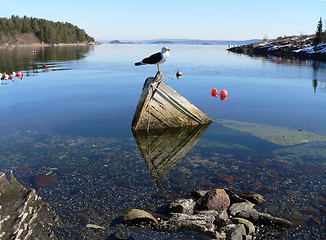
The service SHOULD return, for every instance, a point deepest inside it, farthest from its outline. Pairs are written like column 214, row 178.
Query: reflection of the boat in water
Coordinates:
column 164, row 148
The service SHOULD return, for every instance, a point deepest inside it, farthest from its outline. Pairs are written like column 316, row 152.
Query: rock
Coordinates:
column 264, row 218
column 169, row 195
column 246, row 237
column 220, row 216
column 199, row 194
column 200, row 223
column 214, row 200
column 253, row 197
column 250, row 228
column 301, row 224
column 238, row 207
column 185, row 206
column 294, row 214
column 44, row 180
column 234, row 197
column 322, row 201
column 271, row 208
column 24, row 168
column 137, row 216
column 235, row 231
column 94, row 226
column 23, row 214
column 122, row 234
column 294, row 194
column 311, row 211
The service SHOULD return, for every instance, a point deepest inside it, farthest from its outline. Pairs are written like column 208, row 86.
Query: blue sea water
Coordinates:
column 76, row 114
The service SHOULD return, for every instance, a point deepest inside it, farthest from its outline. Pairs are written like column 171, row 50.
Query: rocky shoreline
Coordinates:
column 300, row 47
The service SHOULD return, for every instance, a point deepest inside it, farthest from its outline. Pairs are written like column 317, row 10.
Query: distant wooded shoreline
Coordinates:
column 20, row 31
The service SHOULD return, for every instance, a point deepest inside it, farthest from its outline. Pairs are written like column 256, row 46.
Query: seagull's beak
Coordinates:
column 168, row 49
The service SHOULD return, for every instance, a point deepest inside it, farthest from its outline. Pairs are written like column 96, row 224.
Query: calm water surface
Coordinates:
column 73, row 119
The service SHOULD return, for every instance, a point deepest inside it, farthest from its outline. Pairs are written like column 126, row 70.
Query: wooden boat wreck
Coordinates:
column 162, row 149
column 160, row 106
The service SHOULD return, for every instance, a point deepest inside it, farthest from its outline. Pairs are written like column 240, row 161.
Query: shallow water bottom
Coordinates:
column 98, row 179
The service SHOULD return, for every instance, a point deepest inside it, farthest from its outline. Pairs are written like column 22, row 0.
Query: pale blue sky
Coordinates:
column 152, row 19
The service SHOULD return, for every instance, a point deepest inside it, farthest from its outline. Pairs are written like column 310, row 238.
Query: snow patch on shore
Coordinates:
column 320, row 48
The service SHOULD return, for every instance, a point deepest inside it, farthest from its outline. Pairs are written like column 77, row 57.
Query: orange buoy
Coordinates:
column 214, row 91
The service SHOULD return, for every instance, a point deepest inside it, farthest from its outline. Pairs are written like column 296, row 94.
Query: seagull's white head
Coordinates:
column 164, row 49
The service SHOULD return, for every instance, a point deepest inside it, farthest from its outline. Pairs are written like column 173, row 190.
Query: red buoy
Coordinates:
column 224, row 93
column 214, row 91
column 10, row 77
column 20, row 74
column 34, row 52
column 45, row 66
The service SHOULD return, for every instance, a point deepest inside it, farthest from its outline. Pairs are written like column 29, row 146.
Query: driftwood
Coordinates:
column 164, row 148
column 160, row 106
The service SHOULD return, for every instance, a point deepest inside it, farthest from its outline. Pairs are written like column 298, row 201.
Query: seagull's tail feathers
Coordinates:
column 139, row 63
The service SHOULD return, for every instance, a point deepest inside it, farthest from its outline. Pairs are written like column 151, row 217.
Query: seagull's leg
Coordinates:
column 158, row 67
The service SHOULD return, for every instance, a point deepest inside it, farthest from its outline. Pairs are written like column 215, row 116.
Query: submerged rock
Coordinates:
column 24, row 168
column 253, row 197
column 44, row 180
column 23, row 215
column 264, row 218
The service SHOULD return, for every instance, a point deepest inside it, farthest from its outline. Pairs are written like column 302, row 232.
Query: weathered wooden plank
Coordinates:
column 160, row 106
column 164, row 148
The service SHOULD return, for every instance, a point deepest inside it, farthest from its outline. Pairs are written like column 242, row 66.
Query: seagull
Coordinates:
column 156, row 58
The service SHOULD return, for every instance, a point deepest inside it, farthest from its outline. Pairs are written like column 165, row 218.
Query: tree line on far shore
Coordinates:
column 320, row 35
column 46, row 31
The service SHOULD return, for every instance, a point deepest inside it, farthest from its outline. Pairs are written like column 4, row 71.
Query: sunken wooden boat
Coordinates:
column 160, row 106
column 162, row 149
